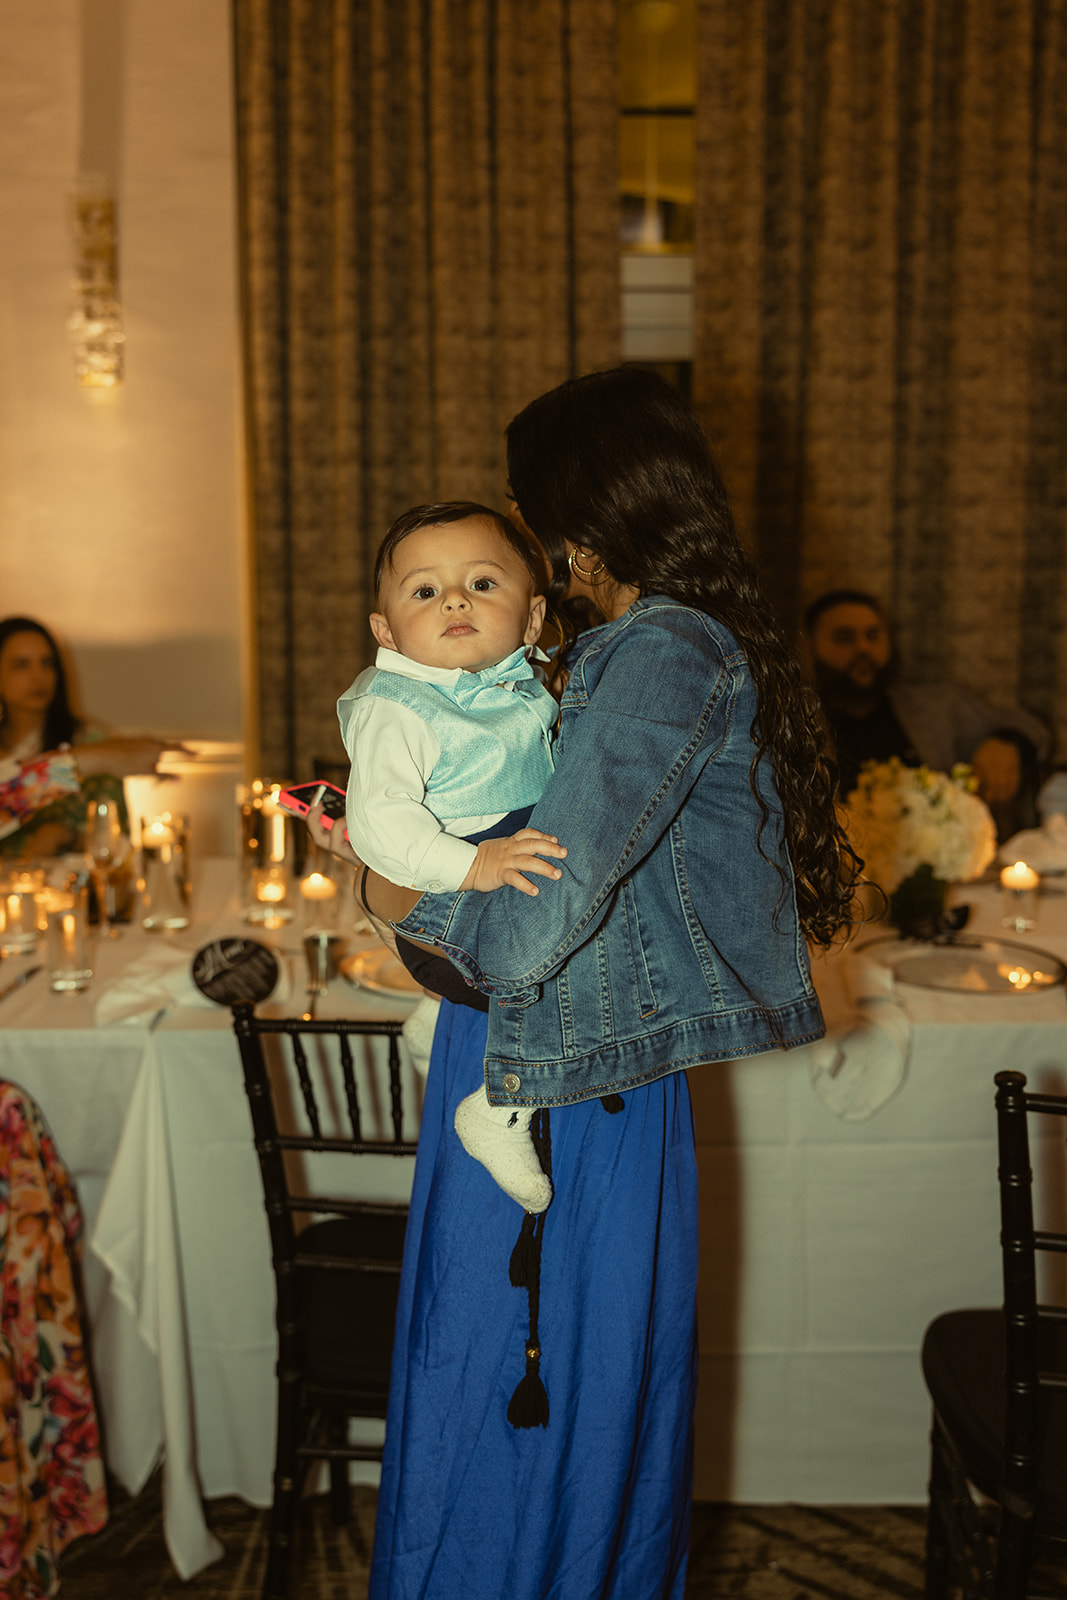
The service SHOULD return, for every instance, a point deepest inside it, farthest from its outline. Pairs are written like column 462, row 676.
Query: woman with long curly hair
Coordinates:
column 697, row 811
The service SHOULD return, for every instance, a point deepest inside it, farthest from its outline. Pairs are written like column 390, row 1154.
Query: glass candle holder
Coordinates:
column 165, row 872
column 1018, row 888
column 266, row 855
column 319, row 892
column 19, row 892
column 271, row 906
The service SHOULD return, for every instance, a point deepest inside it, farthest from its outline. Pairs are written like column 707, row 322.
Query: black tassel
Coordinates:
column 612, row 1103
column 524, row 1263
column 528, row 1406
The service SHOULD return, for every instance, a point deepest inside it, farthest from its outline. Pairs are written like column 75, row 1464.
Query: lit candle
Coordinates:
column 70, row 934
column 273, row 811
column 57, row 900
column 270, row 890
column 1020, row 877
column 317, row 886
column 157, row 834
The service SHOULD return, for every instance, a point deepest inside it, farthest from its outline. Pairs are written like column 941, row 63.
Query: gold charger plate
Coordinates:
column 381, row 972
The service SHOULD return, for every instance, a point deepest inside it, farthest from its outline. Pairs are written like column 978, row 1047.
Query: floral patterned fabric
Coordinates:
column 51, row 1471
column 71, row 809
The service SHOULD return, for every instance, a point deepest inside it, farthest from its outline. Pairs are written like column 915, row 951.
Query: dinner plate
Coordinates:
column 970, row 965
column 381, row 972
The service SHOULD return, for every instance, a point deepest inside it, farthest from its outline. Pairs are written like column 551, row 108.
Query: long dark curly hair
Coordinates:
column 61, row 726
column 617, row 463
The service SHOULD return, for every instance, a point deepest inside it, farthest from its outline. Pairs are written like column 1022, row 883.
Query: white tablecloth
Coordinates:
column 827, row 1244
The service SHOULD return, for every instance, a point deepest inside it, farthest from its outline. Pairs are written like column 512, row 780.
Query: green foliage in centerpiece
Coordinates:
column 918, row 831
column 917, row 904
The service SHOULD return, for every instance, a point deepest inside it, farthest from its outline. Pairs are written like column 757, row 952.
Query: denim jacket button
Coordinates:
column 511, row 1083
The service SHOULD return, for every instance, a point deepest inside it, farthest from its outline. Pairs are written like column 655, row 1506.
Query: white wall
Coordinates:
column 121, row 512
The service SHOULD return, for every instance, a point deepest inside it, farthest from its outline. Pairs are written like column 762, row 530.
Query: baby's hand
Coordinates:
column 503, row 861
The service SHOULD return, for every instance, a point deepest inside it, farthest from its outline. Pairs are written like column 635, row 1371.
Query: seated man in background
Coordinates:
column 872, row 715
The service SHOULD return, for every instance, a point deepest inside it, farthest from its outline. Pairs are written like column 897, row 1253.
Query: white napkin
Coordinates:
column 156, row 983
column 418, row 1032
column 1044, row 849
column 1052, row 796
column 858, row 1071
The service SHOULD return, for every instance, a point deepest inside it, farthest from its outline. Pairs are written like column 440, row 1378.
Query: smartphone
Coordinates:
column 299, row 798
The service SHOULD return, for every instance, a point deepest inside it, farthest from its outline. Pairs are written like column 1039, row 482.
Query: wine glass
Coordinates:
column 109, row 850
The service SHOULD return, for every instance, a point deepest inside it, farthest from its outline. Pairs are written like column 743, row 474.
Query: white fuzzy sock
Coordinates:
column 504, row 1148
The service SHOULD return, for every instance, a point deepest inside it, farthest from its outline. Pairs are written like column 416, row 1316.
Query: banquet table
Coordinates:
column 828, row 1244
column 151, row 1117
column 832, row 1228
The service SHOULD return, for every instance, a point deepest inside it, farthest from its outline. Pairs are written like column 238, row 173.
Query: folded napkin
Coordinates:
column 418, row 1033
column 156, row 983
column 1044, row 849
column 1052, row 796
column 858, row 1070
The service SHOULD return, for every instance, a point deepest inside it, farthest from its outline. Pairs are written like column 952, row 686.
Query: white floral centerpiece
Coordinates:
column 918, row 831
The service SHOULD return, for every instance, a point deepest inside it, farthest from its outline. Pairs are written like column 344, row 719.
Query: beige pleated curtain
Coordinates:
column 428, row 226
column 881, row 315
column 429, row 236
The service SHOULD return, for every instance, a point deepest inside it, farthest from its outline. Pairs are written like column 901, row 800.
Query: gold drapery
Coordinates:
column 881, row 316
column 428, row 229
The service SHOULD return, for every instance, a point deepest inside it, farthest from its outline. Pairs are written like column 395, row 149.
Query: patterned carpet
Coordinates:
column 754, row 1552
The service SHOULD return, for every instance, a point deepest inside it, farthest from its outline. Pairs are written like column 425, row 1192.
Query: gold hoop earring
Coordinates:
column 580, row 572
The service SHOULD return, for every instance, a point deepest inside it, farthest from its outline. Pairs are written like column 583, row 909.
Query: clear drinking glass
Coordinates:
column 67, row 936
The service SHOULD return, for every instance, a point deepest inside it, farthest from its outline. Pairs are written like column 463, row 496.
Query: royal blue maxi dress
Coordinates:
column 596, row 1505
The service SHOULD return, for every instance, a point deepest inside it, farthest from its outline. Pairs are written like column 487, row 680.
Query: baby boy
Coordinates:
column 448, row 739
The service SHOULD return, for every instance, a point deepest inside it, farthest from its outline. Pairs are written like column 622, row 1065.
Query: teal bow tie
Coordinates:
column 471, row 687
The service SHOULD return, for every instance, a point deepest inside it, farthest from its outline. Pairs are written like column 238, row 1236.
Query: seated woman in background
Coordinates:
column 35, row 718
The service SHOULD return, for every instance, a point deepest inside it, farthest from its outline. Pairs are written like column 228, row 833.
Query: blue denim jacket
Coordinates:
column 670, row 940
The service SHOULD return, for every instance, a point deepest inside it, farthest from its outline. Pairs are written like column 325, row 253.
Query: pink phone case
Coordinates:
column 299, row 799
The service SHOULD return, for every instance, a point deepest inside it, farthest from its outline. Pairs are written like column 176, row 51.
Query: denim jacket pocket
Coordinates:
column 642, row 978
column 583, row 991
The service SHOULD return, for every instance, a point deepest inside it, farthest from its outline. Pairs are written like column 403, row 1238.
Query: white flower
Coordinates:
column 901, row 818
